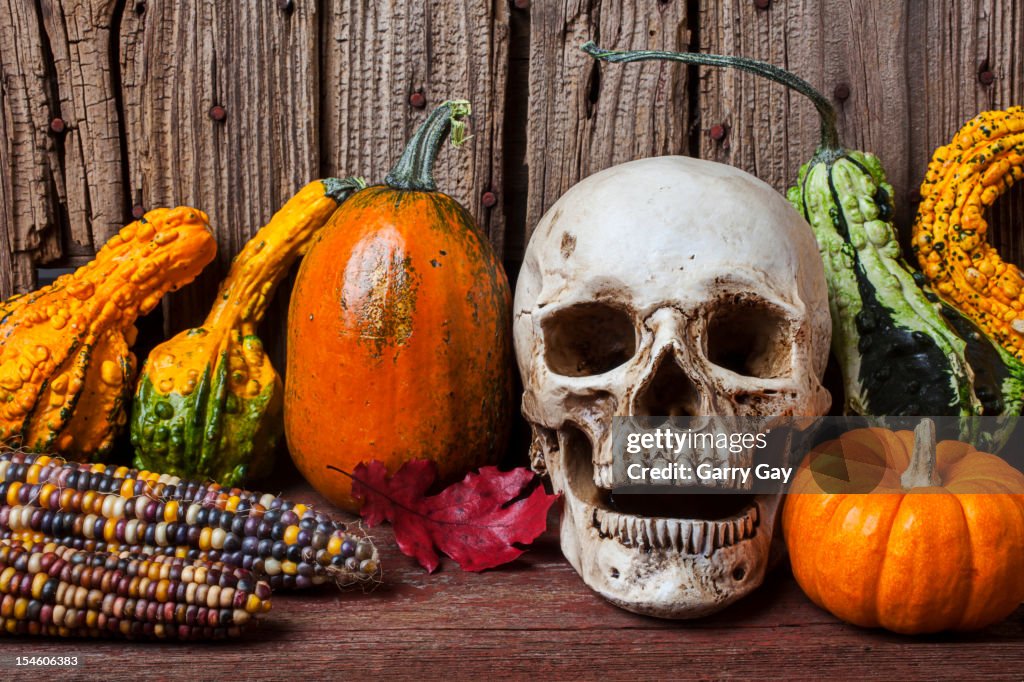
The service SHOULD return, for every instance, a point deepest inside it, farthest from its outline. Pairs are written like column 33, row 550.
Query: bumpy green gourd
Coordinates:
column 897, row 353
column 900, row 351
column 208, row 402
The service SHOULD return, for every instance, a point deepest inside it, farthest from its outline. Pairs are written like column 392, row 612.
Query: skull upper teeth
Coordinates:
column 604, row 475
column 682, row 535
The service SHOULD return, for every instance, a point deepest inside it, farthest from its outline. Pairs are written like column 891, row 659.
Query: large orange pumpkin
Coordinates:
column 398, row 331
column 939, row 548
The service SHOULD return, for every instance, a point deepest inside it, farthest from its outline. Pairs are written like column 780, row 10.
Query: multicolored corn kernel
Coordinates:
column 113, row 627
column 51, row 589
column 98, row 478
column 283, row 566
column 290, row 545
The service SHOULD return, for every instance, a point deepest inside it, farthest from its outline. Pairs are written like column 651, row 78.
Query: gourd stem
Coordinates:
column 829, row 136
column 415, row 168
column 264, row 260
column 921, row 472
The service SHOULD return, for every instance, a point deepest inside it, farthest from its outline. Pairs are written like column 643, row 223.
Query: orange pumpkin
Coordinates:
column 399, row 331
column 939, row 548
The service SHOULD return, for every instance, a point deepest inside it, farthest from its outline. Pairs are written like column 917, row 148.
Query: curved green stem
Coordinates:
column 829, row 136
column 341, row 189
column 414, row 170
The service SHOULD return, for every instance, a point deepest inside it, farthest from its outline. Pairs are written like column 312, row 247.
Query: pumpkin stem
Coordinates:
column 415, row 168
column 921, row 472
column 829, row 137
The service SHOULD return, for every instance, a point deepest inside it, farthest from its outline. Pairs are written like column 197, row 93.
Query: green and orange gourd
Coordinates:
column 208, row 402
column 399, row 330
column 66, row 370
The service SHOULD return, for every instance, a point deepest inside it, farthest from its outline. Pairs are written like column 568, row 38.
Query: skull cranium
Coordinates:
column 668, row 286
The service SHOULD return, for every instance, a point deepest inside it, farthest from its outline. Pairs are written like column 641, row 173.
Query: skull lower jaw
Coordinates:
column 662, row 567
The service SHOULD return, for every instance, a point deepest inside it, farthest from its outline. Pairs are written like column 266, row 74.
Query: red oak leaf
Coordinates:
column 478, row 521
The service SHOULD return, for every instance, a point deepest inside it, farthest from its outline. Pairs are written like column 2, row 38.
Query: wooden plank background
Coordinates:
column 107, row 106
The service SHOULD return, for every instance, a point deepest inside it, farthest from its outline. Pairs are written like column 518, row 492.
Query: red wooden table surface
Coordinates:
column 530, row 618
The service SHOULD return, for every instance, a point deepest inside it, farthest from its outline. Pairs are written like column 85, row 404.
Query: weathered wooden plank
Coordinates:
column 376, row 55
column 258, row 62
column 7, row 196
column 80, row 35
column 30, row 179
column 584, row 117
column 515, row 176
column 964, row 58
column 536, row 618
column 850, row 52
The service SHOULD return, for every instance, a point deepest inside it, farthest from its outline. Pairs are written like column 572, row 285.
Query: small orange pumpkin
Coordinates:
column 399, row 343
column 938, row 546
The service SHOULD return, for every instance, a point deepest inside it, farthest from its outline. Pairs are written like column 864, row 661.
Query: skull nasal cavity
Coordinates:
column 669, row 393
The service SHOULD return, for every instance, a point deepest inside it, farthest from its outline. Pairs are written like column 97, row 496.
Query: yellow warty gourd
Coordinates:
column 964, row 178
column 65, row 366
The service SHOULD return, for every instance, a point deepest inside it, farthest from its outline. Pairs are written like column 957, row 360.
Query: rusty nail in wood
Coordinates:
column 285, row 5
column 522, row 4
column 717, row 132
column 58, row 125
column 418, row 100
column 842, row 92
column 986, row 77
column 218, row 113
column 138, row 211
column 762, row 4
column 489, row 199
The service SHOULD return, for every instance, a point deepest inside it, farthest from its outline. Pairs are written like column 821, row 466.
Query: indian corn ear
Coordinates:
column 65, row 365
column 47, row 589
column 290, row 545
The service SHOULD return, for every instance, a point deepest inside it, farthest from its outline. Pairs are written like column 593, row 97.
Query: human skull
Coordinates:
column 668, row 286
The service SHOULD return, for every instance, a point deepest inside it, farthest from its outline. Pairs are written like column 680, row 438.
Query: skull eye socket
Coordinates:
column 588, row 339
column 750, row 338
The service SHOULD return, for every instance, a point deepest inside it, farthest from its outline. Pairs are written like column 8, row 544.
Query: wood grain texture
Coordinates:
column 772, row 131
column 178, row 60
column 375, row 55
column 81, row 34
column 534, row 618
column 584, row 117
column 30, row 179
